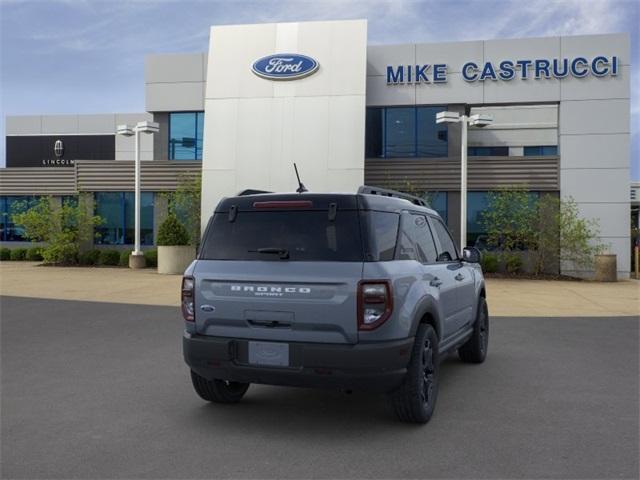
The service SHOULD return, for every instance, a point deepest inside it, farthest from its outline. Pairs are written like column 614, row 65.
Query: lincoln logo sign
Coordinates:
column 506, row 70
column 285, row 66
column 58, row 148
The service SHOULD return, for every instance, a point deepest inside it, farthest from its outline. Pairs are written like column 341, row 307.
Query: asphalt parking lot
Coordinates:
column 99, row 390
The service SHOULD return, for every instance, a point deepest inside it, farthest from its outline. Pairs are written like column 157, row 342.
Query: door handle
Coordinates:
column 436, row 282
column 459, row 277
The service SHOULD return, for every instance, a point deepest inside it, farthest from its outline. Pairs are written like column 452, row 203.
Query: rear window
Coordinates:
column 303, row 235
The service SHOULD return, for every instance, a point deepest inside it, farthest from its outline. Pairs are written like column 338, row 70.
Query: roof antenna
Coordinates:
column 301, row 188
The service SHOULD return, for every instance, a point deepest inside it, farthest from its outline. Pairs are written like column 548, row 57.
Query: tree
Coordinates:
column 579, row 242
column 62, row 227
column 550, row 228
column 184, row 203
column 509, row 219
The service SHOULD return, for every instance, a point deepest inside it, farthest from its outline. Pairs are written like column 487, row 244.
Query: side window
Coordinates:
column 416, row 241
column 384, row 226
column 447, row 252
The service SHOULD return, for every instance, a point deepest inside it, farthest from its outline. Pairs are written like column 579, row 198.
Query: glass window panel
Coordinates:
column 146, row 218
column 438, row 202
column 400, row 132
column 541, row 150
column 384, row 226
column 71, row 200
column 185, row 135
column 10, row 206
column 448, row 251
column 199, row 134
column 307, row 236
column 432, row 138
column 3, row 218
column 488, row 151
column 477, row 202
column 109, row 206
column 531, row 151
column 374, row 133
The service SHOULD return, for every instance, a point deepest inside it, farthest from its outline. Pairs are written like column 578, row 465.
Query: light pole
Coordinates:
column 478, row 120
column 136, row 259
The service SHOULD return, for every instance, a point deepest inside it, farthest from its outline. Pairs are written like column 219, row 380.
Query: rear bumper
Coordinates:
column 378, row 367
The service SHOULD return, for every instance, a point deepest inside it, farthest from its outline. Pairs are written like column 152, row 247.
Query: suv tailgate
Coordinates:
column 278, row 301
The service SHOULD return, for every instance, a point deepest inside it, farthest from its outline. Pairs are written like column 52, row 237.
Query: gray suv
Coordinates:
column 361, row 291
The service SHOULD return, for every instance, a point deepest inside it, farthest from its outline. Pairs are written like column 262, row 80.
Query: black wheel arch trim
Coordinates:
column 427, row 309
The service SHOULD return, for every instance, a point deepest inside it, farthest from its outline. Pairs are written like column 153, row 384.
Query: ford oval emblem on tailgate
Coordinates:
column 285, row 66
column 207, row 308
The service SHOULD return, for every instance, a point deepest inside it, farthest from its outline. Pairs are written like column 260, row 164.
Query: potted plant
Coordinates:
column 174, row 252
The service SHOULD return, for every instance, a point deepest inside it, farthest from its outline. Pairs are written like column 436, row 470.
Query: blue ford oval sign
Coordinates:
column 284, row 66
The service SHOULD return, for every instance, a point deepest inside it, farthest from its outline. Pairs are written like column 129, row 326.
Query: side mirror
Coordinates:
column 471, row 255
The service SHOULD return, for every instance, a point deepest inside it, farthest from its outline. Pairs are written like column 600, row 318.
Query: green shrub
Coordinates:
column 109, row 257
column 513, row 263
column 34, row 254
column 62, row 228
column 151, row 258
column 124, row 258
column 490, row 262
column 61, row 254
column 5, row 254
column 18, row 253
column 90, row 257
column 171, row 232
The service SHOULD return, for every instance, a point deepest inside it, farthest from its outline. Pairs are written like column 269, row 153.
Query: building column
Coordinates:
column 160, row 212
column 86, row 201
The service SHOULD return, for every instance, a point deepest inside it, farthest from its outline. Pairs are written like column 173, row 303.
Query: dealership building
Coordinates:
column 265, row 96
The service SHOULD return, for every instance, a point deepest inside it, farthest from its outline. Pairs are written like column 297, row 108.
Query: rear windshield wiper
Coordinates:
column 283, row 253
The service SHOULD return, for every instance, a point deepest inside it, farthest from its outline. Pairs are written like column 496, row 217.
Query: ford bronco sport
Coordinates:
column 351, row 291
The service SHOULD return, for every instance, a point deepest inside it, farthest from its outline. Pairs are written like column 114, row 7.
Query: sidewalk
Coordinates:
column 513, row 298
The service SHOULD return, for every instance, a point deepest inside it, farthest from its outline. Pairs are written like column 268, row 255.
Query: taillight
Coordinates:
column 187, row 301
column 375, row 303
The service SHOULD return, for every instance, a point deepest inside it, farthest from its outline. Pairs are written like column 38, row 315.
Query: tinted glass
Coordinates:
column 305, row 235
column 109, row 208
column 384, row 233
column 146, row 218
column 117, row 211
column 488, row 151
column 405, row 132
column 477, row 204
column 9, row 206
column 400, row 130
column 438, row 202
column 432, row 137
column 416, row 242
column 426, row 245
column 374, row 132
column 541, row 150
column 447, row 250
column 185, row 135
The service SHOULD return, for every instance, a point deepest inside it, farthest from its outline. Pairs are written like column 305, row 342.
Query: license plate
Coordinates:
column 269, row 353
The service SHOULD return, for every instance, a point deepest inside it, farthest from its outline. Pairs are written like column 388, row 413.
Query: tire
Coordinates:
column 218, row 391
column 475, row 349
column 415, row 400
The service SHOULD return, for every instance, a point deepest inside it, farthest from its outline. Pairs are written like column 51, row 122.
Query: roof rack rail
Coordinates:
column 392, row 193
column 251, row 191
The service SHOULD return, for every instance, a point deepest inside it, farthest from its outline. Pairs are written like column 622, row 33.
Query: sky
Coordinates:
column 87, row 56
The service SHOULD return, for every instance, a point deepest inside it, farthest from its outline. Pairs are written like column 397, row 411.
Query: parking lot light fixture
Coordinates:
column 477, row 120
column 136, row 259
